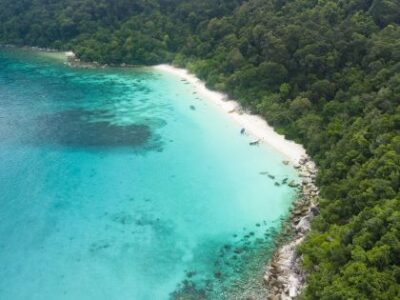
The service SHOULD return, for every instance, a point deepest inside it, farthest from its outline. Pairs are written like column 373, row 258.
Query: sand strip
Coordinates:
column 283, row 275
column 253, row 124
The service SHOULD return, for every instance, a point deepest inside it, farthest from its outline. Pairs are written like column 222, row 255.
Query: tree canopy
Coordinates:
column 325, row 73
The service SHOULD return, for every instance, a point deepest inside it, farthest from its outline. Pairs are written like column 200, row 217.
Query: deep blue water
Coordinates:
column 112, row 187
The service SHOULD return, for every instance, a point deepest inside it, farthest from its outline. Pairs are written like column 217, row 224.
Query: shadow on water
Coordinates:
column 82, row 129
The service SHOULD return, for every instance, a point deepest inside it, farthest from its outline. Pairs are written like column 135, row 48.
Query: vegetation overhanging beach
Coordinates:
column 323, row 73
column 283, row 273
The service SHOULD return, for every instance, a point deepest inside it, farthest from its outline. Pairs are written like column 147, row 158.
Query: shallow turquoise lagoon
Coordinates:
column 113, row 187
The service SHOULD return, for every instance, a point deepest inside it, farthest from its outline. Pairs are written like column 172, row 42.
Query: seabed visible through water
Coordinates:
column 126, row 184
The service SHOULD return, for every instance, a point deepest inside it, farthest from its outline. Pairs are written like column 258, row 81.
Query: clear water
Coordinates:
column 113, row 187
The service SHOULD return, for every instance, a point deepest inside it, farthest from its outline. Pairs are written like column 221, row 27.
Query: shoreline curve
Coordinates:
column 255, row 125
column 283, row 273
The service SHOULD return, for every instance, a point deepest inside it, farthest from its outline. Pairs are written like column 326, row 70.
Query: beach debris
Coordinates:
column 255, row 143
column 242, row 131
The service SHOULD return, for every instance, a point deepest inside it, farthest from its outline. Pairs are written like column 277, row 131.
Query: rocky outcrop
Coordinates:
column 284, row 274
column 74, row 61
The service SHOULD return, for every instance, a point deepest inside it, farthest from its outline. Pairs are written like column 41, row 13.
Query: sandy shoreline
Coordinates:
column 283, row 275
column 254, row 125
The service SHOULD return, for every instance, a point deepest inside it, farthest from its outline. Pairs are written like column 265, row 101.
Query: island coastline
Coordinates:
column 283, row 273
column 253, row 124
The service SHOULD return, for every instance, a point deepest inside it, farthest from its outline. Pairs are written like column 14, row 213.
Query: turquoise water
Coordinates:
column 113, row 187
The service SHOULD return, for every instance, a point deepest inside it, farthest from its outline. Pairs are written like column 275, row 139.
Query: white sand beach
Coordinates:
column 253, row 124
column 285, row 264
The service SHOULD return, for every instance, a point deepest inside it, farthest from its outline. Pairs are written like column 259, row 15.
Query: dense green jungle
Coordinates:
column 324, row 73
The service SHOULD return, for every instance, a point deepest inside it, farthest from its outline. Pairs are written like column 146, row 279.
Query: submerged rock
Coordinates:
column 190, row 274
column 237, row 250
column 284, row 276
column 293, row 184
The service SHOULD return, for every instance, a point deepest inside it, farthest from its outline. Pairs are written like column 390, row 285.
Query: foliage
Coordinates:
column 326, row 73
